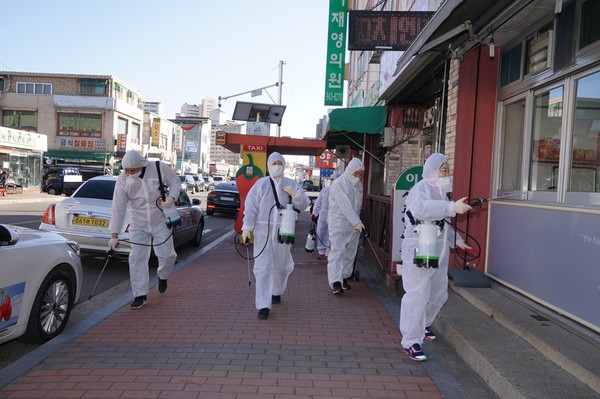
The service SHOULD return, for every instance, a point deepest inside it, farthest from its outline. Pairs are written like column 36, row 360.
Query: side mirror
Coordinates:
column 7, row 236
column 195, row 201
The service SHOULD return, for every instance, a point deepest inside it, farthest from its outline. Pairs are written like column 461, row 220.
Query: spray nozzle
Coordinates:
column 477, row 201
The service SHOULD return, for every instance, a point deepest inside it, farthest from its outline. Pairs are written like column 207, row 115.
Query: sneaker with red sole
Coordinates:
column 415, row 353
column 429, row 335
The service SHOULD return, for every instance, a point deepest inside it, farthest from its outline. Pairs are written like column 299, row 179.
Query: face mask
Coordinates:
column 276, row 170
column 445, row 183
column 354, row 180
column 135, row 174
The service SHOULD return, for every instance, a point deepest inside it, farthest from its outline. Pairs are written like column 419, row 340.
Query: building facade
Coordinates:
column 508, row 90
column 88, row 119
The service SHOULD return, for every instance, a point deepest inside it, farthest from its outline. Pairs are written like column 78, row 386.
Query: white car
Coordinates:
column 84, row 217
column 40, row 282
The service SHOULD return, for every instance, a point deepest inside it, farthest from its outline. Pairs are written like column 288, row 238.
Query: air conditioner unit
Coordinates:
column 389, row 136
column 342, row 150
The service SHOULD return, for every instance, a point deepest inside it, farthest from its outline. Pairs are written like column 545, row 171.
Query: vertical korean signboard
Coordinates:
column 155, row 132
column 336, row 53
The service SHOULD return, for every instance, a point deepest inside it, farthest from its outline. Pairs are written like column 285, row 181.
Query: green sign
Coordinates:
column 409, row 178
column 336, row 52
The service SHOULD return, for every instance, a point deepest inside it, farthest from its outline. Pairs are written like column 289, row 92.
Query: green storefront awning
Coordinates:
column 349, row 125
column 88, row 155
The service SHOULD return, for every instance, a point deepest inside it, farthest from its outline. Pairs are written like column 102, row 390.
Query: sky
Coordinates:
column 181, row 51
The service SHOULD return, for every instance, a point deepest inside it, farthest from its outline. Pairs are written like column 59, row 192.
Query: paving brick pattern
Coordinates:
column 202, row 339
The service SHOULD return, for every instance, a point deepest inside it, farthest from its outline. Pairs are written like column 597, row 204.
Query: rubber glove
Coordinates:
column 167, row 203
column 460, row 207
column 245, row 236
column 291, row 191
column 314, row 217
column 113, row 244
column 360, row 227
column 464, row 246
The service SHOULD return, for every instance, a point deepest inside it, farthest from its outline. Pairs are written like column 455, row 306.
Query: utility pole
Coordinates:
column 279, row 92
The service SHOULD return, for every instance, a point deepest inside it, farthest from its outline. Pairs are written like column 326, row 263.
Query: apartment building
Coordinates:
column 87, row 119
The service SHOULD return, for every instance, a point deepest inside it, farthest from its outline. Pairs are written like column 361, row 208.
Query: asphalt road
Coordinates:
column 115, row 278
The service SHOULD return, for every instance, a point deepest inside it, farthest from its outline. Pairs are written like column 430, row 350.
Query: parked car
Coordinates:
column 59, row 181
column 209, row 183
column 223, row 198
column 40, row 282
column 308, row 185
column 188, row 184
column 84, row 217
column 219, row 179
column 198, row 183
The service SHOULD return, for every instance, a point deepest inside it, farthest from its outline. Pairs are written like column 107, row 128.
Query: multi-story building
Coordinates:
column 155, row 107
column 194, row 154
column 161, row 139
column 88, row 120
column 190, row 111
column 508, row 90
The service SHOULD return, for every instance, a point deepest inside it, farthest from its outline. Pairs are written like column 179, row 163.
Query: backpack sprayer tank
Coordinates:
column 310, row 241
column 426, row 252
column 287, row 230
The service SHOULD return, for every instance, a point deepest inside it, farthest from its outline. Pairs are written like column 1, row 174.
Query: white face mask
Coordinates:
column 354, row 180
column 445, row 183
column 276, row 170
column 135, row 174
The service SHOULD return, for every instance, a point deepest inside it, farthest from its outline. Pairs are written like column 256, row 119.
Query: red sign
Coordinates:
column 325, row 160
column 255, row 148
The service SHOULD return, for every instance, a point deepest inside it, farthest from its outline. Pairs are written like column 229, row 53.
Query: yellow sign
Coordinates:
column 220, row 137
column 155, row 132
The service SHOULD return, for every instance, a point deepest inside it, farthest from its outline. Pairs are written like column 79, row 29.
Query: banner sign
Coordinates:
column 325, row 160
column 336, row 53
column 155, row 132
column 385, row 30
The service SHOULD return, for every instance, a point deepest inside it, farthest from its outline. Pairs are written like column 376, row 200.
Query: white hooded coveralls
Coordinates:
column 426, row 289
column 321, row 209
column 345, row 202
column 146, row 220
column 275, row 264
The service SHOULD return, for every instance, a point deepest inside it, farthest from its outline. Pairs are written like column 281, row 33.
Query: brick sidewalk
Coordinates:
column 202, row 339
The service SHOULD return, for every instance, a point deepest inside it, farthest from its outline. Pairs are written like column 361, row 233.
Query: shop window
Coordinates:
column 546, row 133
column 586, row 136
column 512, row 146
column 80, row 125
column 510, row 65
column 589, row 30
column 22, row 120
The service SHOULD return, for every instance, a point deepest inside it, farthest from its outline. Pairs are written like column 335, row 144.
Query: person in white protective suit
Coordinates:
column 345, row 226
column 138, row 185
column 320, row 214
column 273, row 263
column 426, row 288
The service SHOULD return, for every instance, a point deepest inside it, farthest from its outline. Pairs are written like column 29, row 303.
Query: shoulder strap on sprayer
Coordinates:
column 275, row 194
column 161, row 186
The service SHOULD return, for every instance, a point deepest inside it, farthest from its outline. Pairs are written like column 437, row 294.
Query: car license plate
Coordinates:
column 94, row 222
column 226, row 198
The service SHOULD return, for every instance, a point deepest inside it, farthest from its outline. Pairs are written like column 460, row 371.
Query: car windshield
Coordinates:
column 99, row 189
column 226, row 187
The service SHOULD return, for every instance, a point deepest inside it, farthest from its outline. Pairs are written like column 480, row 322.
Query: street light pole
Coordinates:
column 279, row 92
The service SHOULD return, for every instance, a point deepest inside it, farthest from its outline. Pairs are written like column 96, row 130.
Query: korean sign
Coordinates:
column 336, row 53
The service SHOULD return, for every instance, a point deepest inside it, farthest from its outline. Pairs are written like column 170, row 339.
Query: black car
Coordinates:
column 223, row 198
column 308, row 185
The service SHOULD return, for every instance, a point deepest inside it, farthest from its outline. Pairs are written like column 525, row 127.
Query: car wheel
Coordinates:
column 53, row 191
column 195, row 242
column 51, row 308
column 210, row 213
